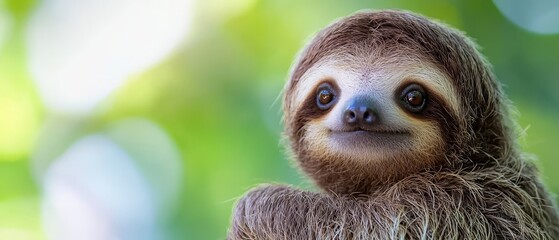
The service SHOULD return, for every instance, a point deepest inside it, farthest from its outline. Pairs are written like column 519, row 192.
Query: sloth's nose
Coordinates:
column 360, row 112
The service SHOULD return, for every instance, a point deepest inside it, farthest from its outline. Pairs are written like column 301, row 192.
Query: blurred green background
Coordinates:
column 216, row 96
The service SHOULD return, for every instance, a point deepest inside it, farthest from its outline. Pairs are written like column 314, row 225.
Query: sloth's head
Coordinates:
column 378, row 96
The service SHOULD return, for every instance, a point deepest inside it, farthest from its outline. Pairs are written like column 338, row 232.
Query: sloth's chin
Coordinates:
column 369, row 138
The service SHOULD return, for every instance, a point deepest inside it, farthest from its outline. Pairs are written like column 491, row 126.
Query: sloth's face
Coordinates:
column 374, row 109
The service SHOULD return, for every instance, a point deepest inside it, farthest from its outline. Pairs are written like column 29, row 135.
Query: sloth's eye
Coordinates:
column 325, row 96
column 413, row 98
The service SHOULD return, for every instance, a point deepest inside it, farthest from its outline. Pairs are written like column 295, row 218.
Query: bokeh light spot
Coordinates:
column 96, row 191
column 535, row 16
column 81, row 51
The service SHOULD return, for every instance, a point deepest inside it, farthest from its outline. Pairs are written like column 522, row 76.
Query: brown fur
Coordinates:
column 481, row 187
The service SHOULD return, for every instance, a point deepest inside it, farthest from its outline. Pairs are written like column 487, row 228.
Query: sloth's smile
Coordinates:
column 360, row 130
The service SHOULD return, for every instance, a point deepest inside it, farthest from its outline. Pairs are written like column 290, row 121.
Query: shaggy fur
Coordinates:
column 481, row 185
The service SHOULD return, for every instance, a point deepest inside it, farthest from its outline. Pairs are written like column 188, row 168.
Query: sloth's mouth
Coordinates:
column 360, row 130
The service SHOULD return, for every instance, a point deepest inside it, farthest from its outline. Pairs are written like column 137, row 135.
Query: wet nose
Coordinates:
column 360, row 112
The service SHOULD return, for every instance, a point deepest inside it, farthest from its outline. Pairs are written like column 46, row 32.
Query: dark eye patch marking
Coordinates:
column 309, row 109
column 435, row 109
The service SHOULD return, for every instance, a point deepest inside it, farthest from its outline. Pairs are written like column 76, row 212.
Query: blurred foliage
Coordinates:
column 217, row 96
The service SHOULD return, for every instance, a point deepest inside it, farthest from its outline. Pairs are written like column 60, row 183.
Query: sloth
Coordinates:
column 407, row 133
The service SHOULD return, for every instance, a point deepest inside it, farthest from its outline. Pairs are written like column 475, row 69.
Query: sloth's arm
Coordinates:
column 431, row 212
column 280, row 212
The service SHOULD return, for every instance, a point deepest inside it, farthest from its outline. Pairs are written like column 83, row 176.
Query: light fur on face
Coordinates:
column 379, row 78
